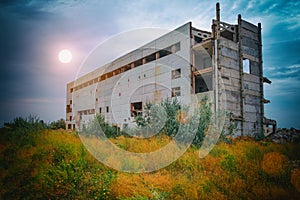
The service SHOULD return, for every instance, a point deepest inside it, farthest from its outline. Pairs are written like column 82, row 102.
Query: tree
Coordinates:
column 59, row 124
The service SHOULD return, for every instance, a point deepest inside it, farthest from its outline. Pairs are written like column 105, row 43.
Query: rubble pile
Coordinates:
column 284, row 135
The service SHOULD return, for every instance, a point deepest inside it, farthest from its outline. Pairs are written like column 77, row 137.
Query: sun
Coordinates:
column 65, row 56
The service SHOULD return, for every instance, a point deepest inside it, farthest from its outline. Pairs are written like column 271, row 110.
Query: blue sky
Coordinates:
column 33, row 81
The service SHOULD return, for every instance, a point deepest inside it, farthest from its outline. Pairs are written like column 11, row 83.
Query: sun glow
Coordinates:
column 65, row 56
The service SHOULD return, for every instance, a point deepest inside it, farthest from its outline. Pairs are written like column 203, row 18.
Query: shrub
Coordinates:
column 259, row 136
column 228, row 130
column 100, row 128
column 173, row 114
column 21, row 131
column 164, row 113
column 274, row 163
column 163, row 118
column 204, row 120
column 253, row 153
column 229, row 163
column 59, row 124
column 295, row 179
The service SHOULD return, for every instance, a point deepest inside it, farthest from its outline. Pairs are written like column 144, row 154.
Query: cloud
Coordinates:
column 282, row 87
column 165, row 14
column 27, row 10
column 269, row 12
column 283, row 73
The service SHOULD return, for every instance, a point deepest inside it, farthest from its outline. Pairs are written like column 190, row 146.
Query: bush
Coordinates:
column 172, row 114
column 98, row 127
column 163, row 118
column 204, row 121
column 21, row 131
column 164, row 113
column 295, row 179
column 228, row 131
column 59, row 124
column 229, row 163
column 274, row 164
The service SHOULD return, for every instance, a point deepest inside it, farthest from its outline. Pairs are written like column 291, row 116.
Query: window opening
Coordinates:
column 176, row 92
column 203, row 83
column 136, row 108
column 246, row 66
column 176, row 73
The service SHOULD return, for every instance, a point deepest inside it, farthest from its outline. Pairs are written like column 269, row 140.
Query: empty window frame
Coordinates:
column 102, row 77
column 203, row 82
column 228, row 34
column 136, row 108
column 126, row 68
column 91, row 111
column 176, row 92
column 197, row 39
column 107, row 109
column 95, row 80
column 100, row 110
column 68, row 109
column 109, row 74
column 176, row 73
column 151, row 57
column 138, row 62
column 202, row 60
column 246, row 66
column 165, row 52
column 207, row 62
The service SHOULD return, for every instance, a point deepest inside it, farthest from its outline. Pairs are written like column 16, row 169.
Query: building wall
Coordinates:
column 250, row 44
column 111, row 89
column 241, row 74
column 150, row 82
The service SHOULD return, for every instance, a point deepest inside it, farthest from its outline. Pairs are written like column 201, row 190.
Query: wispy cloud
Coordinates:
column 282, row 73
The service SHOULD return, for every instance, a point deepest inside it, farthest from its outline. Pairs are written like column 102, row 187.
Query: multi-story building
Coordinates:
column 224, row 64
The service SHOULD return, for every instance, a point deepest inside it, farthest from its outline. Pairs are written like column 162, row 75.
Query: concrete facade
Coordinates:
column 224, row 64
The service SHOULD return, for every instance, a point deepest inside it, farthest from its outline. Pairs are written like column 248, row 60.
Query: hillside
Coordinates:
column 53, row 164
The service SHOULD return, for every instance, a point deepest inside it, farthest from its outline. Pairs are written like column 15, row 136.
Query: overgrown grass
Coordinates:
column 57, row 166
column 53, row 164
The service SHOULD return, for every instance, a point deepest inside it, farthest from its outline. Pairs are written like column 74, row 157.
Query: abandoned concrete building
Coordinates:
column 187, row 61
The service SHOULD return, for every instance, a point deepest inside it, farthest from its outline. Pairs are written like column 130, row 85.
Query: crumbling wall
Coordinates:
column 231, row 79
column 240, row 68
column 252, row 90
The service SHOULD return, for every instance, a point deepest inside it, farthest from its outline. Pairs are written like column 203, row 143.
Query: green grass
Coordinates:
column 53, row 164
